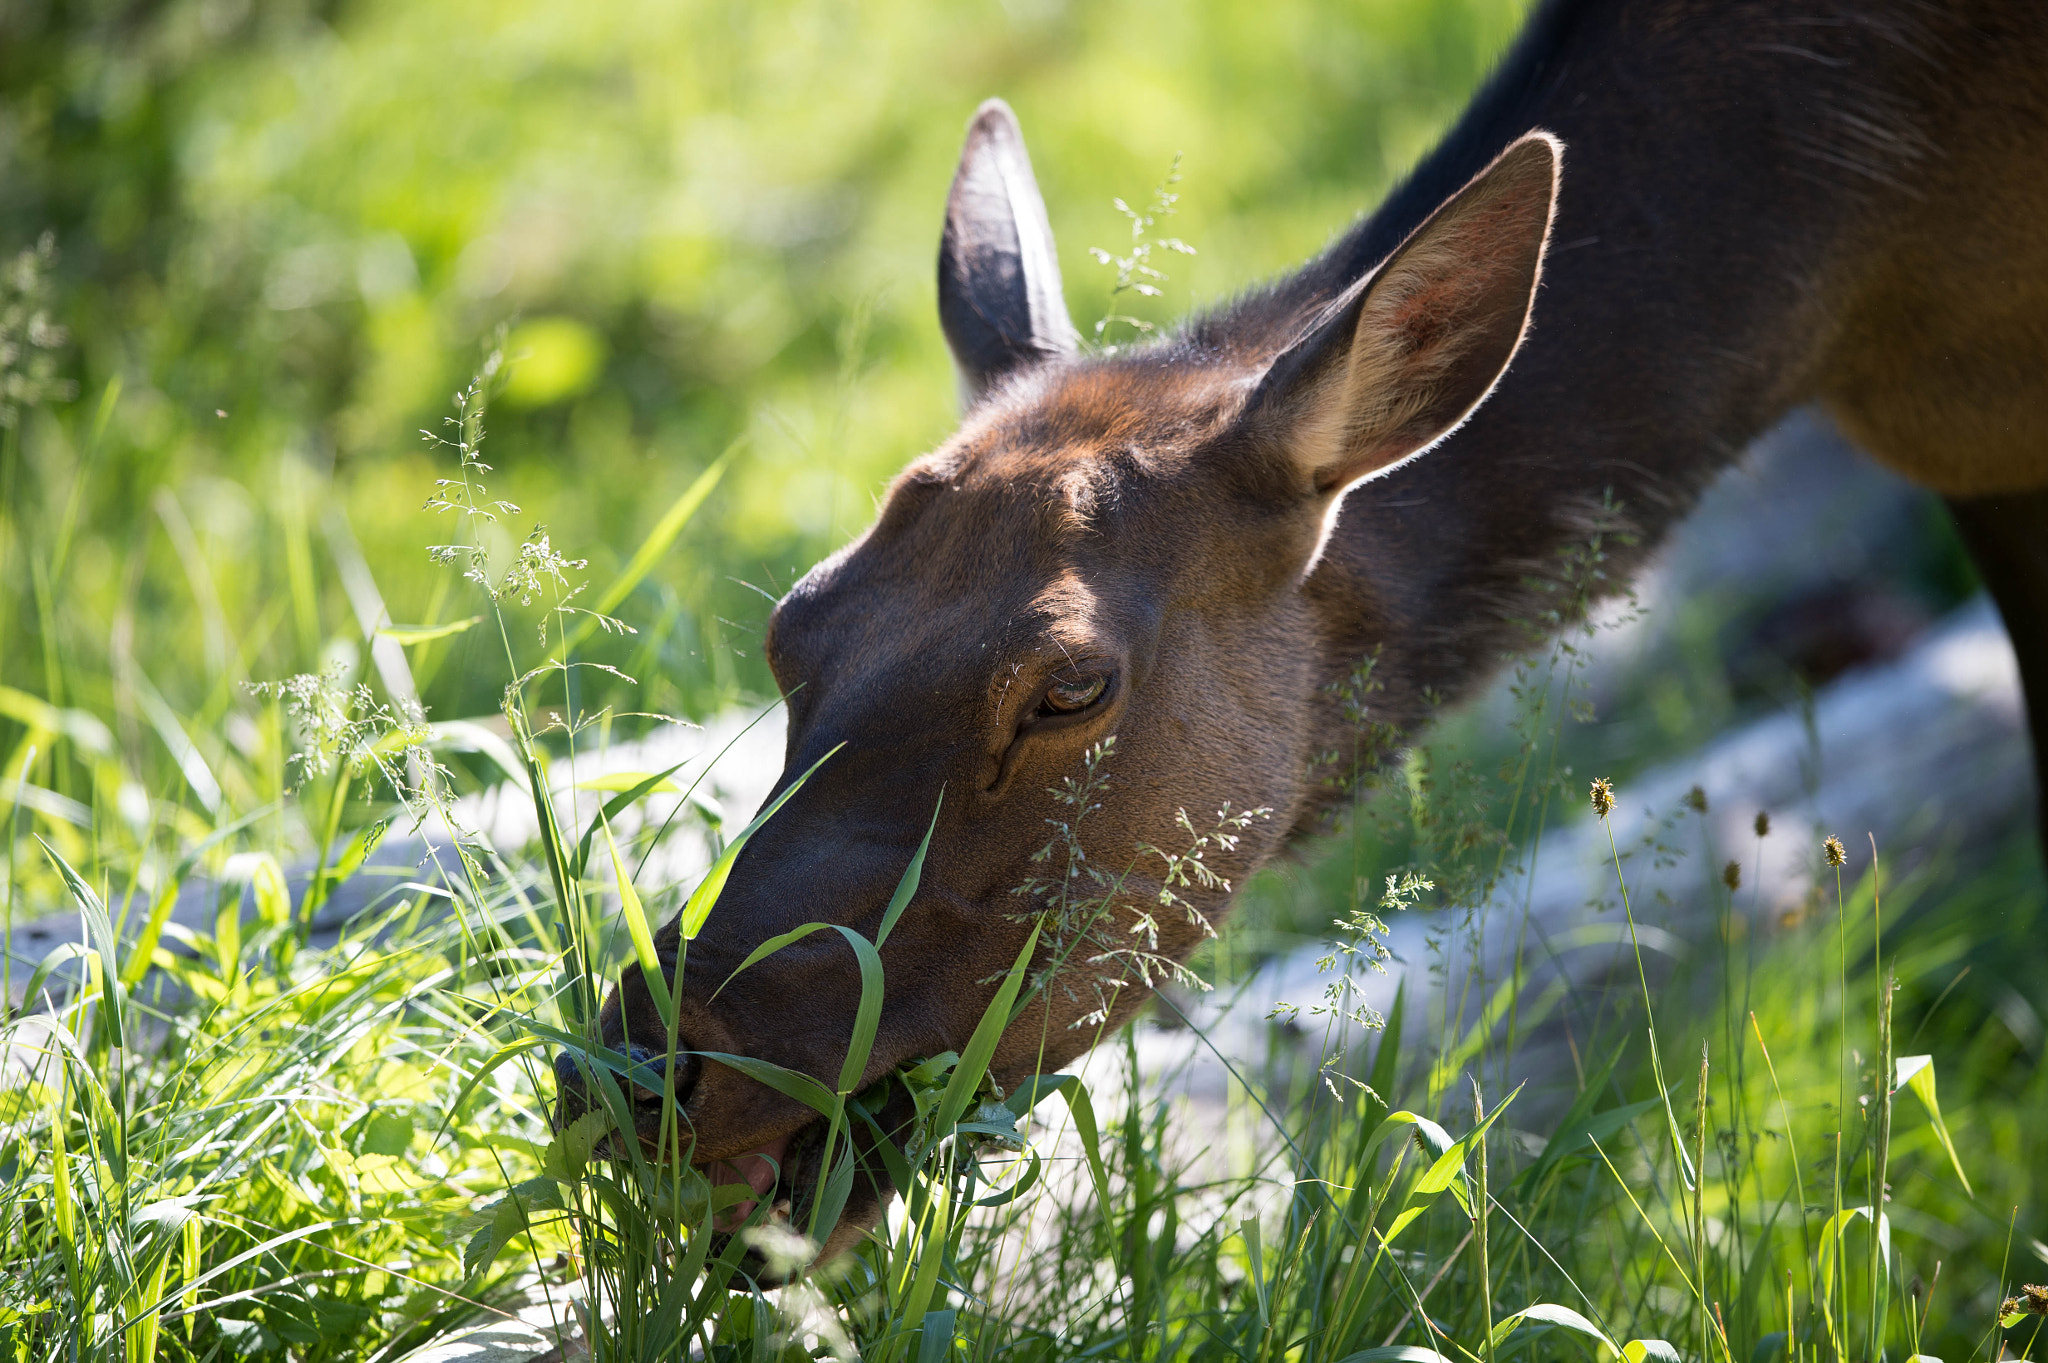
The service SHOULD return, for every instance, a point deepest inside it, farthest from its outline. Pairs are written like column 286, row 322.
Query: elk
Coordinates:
column 1731, row 208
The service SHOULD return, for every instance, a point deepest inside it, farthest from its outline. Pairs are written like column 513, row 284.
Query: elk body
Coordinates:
column 1730, row 208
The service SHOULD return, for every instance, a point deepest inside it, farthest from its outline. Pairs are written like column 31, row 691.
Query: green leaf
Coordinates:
column 651, row 970
column 509, row 1051
column 867, row 1019
column 1447, row 1169
column 1386, row 1062
column 1563, row 1317
column 1837, row 1226
column 769, row 948
column 1027, row 1096
column 510, row 1216
column 568, row 1154
column 655, row 545
column 642, row 783
column 273, row 897
column 906, row 888
column 981, row 1046
column 1255, row 1259
column 639, row 782
column 423, row 634
column 832, row 1194
column 1018, row 1188
column 99, row 931
column 481, row 1249
column 35, row 714
column 1916, row 1072
column 698, row 910
column 935, row 1336
column 1650, row 1351
column 789, row 1083
column 61, row 954
column 358, row 850
column 387, row 1133
column 1396, row 1353
column 1575, row 1133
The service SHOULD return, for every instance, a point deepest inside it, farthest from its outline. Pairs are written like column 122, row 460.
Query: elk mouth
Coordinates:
column 785, row 1173
column 788, row 1174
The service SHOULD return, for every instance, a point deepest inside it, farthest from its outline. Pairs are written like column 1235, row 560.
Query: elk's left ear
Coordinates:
column 1402, row 357
column 999, row 278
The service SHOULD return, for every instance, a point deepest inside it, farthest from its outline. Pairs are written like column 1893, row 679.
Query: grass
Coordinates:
column 265, row 1136
column 253, row 1142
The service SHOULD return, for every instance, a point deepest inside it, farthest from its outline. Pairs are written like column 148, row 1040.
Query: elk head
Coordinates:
column 1111, row 545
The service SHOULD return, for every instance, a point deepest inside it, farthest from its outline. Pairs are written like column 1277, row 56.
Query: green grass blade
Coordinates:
column 100, row 930
column 631, row 910
column 935, row 1336
column 789, row 1083
column 424, row 634
column 617, row 805
column 698, row 910
column 769, row 948
column 655, row 545
column 867, row 1018
column 906, row 888
column 981, row 1047
column 1563, row 1317
column 1916, row 1072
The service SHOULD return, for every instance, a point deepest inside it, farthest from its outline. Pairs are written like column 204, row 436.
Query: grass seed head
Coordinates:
column 1696, row 800
column 1731, row 876
column 1763, row 823
column 1837, row 854
column 1603, row 797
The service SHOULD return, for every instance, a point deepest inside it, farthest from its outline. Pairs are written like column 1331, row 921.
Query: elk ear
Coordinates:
column 999, row 280
column 1403, row 356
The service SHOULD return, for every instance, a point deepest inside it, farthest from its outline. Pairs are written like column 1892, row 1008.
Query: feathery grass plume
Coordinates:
column 1763, row 823
column 1731, row 876
column 29, row 339
column 1836, row 854
column 1135, row 272
column 1603, row 796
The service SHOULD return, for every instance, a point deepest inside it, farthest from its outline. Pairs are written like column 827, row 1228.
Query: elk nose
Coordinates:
column 572, row 1100
column 651, row 1065
column 645, row 1090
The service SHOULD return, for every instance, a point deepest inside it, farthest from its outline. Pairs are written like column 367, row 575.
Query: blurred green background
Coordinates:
column 284, row 232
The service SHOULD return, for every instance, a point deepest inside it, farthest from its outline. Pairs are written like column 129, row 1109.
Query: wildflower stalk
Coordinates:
column 1883, row 1099
column 1699, row 1210
column 1603, row 806
column 1480, row 1198
column 1879, row 1269
column 1838, row 1289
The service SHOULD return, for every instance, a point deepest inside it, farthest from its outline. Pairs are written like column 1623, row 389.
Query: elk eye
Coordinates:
column 1070, row 695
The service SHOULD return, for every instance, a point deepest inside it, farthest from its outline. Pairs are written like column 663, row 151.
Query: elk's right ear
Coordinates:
column 999, row 280
column 1403, row 356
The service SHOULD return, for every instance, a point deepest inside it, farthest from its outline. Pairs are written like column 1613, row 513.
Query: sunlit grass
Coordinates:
column 246, row 1141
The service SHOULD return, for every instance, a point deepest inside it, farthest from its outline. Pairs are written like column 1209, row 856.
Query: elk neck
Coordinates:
column 1734, row 176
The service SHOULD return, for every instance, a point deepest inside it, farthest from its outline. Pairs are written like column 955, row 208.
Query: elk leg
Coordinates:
column 2007, row 536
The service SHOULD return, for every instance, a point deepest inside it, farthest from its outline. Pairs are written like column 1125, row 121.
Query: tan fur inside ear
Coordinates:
column 1438, row 324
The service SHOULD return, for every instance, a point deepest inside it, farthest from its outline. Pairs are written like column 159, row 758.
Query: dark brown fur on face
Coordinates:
column 1761, row 208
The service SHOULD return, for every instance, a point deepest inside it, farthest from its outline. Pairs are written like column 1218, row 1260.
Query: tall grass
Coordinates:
column 256, row 1141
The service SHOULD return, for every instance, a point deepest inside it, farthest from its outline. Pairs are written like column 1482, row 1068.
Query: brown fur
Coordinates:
column 1765, row 203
